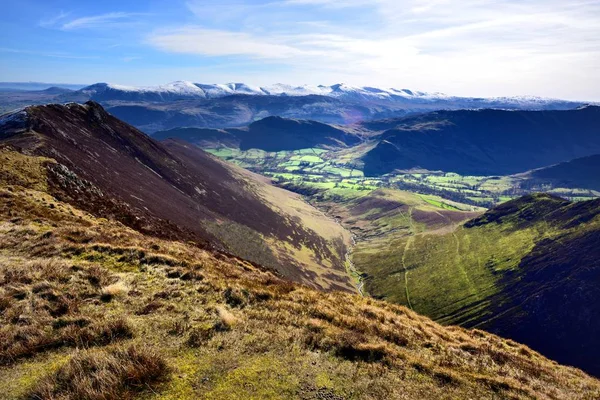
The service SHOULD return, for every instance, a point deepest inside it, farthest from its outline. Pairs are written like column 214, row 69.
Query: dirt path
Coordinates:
column 352, row 267
column 462, row 271
column 406, row 248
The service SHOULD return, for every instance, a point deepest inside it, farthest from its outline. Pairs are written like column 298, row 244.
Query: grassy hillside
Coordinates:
column 92, row 309
column 383, row 218
column 525, row 267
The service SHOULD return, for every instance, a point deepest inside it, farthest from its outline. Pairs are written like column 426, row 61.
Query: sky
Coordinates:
column 548, row 48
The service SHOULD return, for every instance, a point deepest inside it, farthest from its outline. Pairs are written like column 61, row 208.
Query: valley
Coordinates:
column 311, row 169
column 415, row 249
column 415, row 239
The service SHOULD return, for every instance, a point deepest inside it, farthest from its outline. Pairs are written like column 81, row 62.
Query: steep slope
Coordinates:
column 277, row 134
column 486, row 142
column 178, row 191
column 202, row 137
column 268, row 134
column 93, row 309
column 527, row 269
column 579, row 173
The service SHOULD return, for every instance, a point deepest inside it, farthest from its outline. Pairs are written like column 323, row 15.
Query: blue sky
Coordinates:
column 463, row 47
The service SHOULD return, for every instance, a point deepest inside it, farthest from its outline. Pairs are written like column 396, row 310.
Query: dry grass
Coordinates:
column 103, row 375
column 238, row 331
column 118, row 289
column 226, row 319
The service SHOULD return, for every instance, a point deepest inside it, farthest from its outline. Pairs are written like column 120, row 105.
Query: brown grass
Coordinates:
column 118, row 289
column 117, row 374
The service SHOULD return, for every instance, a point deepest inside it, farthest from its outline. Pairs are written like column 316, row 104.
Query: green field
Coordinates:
column 325, row 169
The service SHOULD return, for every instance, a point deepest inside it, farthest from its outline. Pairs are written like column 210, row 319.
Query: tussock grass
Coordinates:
column 116, row 374
column 118, row 289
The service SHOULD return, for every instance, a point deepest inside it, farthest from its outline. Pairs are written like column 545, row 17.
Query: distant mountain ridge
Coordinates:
column 268, row 134
column 192, row 90
column 581, row 172
column 485, row 142
column 186, row 104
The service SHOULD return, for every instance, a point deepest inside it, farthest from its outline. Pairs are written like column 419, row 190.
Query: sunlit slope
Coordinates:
column 527, row 269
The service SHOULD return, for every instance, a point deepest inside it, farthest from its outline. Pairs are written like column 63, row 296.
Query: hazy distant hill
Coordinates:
column 486, row 142
column 579, row 173
column 36, row 86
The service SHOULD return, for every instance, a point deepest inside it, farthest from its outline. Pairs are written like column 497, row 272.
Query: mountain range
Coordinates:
column 181, row 90
column 468, row 142
column 186, row 104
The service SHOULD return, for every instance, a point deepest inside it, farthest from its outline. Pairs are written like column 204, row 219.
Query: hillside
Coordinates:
column 277, row 134
column 527, row 269
column 177, row 191
column 270, row 134
column 485, row 142
column 202, row 137
column 579, row 173
column 93, row 309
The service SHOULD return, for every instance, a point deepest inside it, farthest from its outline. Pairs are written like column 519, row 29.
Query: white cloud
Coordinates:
column 196, row 40
column 100, row 21
column 486, row 47
column 49, row 22
column 48, row 54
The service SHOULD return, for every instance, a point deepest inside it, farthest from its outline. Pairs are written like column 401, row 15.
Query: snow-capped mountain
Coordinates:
column 405, row 98
column 186, row 89
column 189, row 104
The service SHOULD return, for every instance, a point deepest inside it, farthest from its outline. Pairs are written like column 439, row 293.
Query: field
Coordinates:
column 322, row 169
